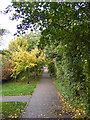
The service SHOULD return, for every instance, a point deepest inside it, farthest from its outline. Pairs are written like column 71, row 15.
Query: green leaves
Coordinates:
column 64, row 36
column 58, row 19
column 71, row 74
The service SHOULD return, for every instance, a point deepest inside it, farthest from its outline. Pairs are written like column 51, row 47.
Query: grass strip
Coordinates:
column 13, row 88
column 12, row 109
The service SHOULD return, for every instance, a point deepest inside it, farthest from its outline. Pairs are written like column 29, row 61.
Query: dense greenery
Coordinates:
column 65, row 39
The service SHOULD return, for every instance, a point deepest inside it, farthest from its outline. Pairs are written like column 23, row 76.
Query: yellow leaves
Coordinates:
column 34, row 51
column 82, row 60
column 60, row 44
column 18, row 43
column 17, row 5
column 15, row 114
column 32, row 9
column 84, row 46
column 32, row 64
column 41, row 57
column 66, row 45
column 26, row 4
column 85, row 61
column 81, row 55
column 21, row 110
column 44, row 55
column 11, row 61
column 77, row 47
column 60, row 24
column 53, row 60
column 50, row 21
column 75, row 24
column 79, row 113
column 23, row 59
column 60, row 114
column 23, row 78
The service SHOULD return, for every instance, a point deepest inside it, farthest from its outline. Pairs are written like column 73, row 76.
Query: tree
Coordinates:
column 65, row 37
column 56, row 18
column 33, row 39
column 26, row 61
column 25, row 57
column 3, row 32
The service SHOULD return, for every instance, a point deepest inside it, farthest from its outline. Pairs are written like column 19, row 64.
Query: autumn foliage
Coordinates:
column 21, row 59
column 6, row 68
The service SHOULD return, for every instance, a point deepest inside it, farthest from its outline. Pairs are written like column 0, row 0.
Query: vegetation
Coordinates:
column 70, row 104
column 3, row 32
column 70, row 71
column 19, row 87
column 21, row 58
column 65, row 39
column 12, row 109
column 21, row 64
column 6, row 67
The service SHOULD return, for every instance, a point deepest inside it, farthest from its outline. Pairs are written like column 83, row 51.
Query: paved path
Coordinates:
column 44, row 101
column 23, row 98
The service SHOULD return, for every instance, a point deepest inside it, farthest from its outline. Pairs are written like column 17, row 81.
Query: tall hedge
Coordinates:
column 71, row 70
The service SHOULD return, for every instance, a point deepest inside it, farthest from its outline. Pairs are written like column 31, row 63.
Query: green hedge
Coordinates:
column 72, row 75
column 52, row 69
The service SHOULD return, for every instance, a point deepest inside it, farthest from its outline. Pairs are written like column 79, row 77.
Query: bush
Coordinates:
column 71, row 71
column 52, row 70
column 6, row 68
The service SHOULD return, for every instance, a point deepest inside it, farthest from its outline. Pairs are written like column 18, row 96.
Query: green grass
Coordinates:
column 12, row 109
column 13, row 88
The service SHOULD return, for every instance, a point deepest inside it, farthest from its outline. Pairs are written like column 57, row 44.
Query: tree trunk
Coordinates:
column 27, row 76
column 28, row 82
column 35, row 72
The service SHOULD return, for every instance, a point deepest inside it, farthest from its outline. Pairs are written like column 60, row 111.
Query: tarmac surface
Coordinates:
column 44, row 102
column 23, row 98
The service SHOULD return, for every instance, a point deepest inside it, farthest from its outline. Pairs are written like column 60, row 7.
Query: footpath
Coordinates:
column 23, row 98
column 44, row 101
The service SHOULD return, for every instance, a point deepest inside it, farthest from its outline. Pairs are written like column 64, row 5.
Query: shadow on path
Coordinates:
column 44, row 101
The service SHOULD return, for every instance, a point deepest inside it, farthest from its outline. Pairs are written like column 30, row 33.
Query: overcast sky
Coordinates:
column 7, row 24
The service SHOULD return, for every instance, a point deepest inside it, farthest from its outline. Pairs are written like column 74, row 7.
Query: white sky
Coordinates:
column 7, row 24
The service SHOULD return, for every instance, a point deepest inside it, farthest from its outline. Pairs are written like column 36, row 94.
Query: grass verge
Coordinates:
column 13, row 88
column 12, row 109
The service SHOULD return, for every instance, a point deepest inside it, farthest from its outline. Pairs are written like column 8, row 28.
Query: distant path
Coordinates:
column 23, row 98
column 44, row 101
